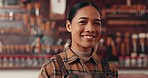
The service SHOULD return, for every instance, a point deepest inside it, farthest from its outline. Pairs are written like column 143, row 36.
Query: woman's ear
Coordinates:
column 68, row 25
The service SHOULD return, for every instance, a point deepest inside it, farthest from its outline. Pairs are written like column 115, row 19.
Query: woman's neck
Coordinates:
column 81, row 49
column 82, row 54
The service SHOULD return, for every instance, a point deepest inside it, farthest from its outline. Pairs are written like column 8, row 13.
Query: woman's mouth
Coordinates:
column 88, row 36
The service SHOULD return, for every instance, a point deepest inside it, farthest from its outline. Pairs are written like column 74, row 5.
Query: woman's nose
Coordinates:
column 90, row 28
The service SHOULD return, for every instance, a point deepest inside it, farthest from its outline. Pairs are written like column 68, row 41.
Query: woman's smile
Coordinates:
column 89, row 37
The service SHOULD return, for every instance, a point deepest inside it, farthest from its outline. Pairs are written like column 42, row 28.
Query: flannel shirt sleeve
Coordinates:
column 43, row 73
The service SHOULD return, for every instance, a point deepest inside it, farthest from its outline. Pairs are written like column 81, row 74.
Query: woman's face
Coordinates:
column 85, row 28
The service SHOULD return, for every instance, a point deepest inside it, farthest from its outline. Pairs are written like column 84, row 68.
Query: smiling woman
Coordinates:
column 85, row 28
column 80, row 60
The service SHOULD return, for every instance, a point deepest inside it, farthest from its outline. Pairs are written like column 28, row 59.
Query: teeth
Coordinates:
column 88, row 36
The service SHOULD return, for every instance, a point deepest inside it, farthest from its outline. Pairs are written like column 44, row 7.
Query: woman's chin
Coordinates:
column 88, row 45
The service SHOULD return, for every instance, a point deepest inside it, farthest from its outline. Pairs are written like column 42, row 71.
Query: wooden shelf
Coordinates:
column 133, row 68
column 19, row 68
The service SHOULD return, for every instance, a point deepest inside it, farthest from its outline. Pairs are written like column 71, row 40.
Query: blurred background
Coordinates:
column 31, row 31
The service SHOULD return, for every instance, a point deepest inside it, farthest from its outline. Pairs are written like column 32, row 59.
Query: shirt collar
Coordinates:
column 72, row 57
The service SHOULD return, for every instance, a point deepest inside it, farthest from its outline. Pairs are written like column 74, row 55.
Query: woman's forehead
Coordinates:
column 87, row 12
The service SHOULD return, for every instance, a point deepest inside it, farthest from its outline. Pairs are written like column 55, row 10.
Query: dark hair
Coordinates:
column 78, row 6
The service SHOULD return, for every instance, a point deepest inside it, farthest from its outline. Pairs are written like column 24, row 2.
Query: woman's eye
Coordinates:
column 97, row 23
column 82, row 22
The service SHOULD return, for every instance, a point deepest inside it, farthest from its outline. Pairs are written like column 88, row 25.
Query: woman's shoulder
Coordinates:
column 50, row 66
column 52, row 59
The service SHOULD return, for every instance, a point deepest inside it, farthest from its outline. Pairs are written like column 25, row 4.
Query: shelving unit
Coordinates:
column 121, row 23
column 26, row 39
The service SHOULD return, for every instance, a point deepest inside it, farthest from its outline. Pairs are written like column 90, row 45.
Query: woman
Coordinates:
column 79, row 60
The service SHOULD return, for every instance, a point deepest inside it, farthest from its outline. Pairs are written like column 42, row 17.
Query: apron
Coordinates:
column 65, row 74
column 87, row 75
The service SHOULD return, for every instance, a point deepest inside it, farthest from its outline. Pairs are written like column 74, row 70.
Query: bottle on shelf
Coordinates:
column 142, row 44
column 17, row 61
column 47, row 27
column 48, row 49
column 121, row 61
column 34, row 61
column 23, row 61
column 120, row 45
column 128, row 2
column 127, row 43
column 111, row 48
column 139, row 61
column 11, row 61
column 133, row 61
column 134, row 45
column 5, row 61
column 145, row 61
column 1, row 61
column 37, row 6
column 147, row 43
column 1, row 47
column 29, row 61
column 40, row 61
column 127, row 61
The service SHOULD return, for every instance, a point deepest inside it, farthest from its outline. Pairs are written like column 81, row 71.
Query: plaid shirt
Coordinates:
column 73, row 64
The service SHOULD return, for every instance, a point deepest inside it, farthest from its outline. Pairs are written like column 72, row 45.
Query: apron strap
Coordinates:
column 106, row 68
column 62, row 66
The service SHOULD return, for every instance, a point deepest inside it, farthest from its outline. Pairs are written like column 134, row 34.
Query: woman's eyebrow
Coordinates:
column 83, row 18
column 97, row 19
column 87, row 18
